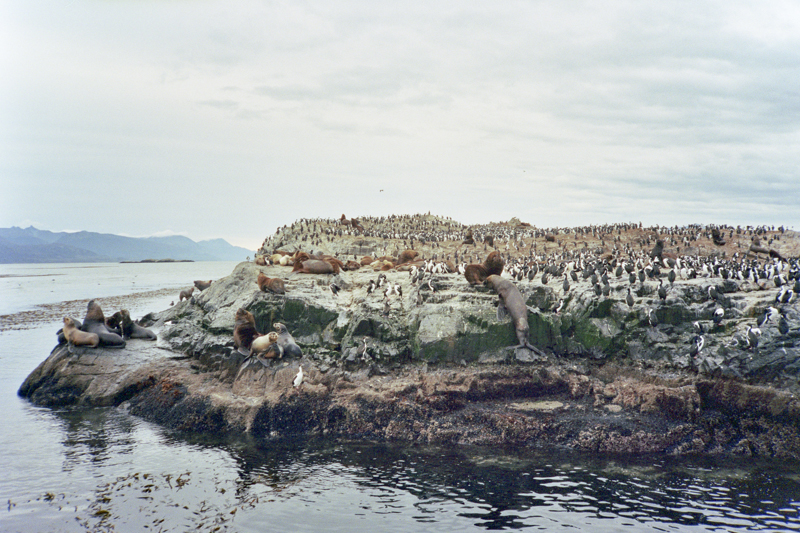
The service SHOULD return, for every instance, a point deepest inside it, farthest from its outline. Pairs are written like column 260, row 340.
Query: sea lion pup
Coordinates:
column 273, row 285
column 128, row 328
column 95, row 322
column 244, row 331
column 286, row 341
column 477, row 274
column 76, row 337
column 186, row 294
column 511, row 302
column 201, row 284
column 266, row 346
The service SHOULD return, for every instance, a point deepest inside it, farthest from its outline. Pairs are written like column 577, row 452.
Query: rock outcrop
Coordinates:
column 436, row 366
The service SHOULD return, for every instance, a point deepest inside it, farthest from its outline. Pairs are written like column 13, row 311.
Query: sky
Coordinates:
column 228, row 119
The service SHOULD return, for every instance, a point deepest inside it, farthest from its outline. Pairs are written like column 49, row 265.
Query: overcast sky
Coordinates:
column 228, row 119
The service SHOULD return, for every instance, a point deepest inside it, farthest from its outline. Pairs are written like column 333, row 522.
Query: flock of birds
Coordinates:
column 611, row 258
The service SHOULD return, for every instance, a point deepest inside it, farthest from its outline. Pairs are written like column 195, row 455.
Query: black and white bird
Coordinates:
column 629, row 298
column 662, row 291
column 398, row 290
column 719, row 313
column 753, row 335
column 784, row 296
column 371, row 286
column 698, row 327
column 334, row 289
column 559, row 306
column 768, row 314
column 565, row 285
column 652, row 318
column 712, row 292
column 697, row 344
column 298, row 379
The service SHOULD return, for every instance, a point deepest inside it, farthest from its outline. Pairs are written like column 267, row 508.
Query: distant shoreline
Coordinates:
column 161, row 261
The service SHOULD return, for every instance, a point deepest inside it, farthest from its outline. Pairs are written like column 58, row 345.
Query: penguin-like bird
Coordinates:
column 298, row 379
column 719, row 313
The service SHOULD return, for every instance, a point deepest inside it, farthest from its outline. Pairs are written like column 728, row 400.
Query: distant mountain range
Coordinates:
column 31, row 245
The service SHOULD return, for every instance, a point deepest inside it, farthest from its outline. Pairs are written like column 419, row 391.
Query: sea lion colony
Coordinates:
column 619, row 254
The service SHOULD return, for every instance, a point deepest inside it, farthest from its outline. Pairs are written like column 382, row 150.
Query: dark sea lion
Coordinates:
column 128, row 328
column 351, row 265
column 407, row 256
column 286, row 341
column 477, row 274
column 244, row 331
column 95, row 322
column 202, row 285
column 511, row 302
column 76, row 337
column 186, row 294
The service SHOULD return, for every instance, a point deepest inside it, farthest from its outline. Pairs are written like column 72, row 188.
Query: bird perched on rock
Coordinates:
column 719, row 313
column 698, row 327
column 334, row 289
column 768, row 314
column 298, row 379
column 697, row 344
column 371, row 286
column 652, row 318
column 559, row 306
column 753, row 335
column 662, row 291
column 712, row 292
column 629, row 298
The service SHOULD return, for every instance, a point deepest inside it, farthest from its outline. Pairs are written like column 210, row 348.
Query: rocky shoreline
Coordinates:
column 439, row 368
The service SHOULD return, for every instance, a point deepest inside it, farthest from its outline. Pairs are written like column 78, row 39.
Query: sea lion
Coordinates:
column 60, row 333
column 511, row 302
column 261, row 346
column 286, row 341
column 186, row 294
column 244, row 331
column 261, row 260
column 273, row 285
column 76, row 337
column 407, row 256
column 128, row 328
column 316, row 266
column 477, row 274
column 202, row 285
column 468, row 238
column 351, row 265
column 95, row 322
column 366, row 260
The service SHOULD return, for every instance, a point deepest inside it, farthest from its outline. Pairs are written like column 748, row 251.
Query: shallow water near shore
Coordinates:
column 103, row 469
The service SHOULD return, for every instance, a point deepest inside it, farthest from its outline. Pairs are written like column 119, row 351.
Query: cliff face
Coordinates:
column 439, row 368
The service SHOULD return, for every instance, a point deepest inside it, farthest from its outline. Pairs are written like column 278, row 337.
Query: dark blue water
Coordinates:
column 104, row 470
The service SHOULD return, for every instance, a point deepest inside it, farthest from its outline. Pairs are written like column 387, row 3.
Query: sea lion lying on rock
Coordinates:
column 267, row 346
column 511, row 302
column 286, row 341
column 316, row 266
column 273, row 285
column 477, row 274
column 121, row 320
column 95, row 322
column 76, row 337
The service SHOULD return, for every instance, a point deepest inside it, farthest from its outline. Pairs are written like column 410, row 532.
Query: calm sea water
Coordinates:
column 104, row 470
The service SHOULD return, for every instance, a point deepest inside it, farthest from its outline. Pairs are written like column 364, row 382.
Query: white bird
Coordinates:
column 298, row 379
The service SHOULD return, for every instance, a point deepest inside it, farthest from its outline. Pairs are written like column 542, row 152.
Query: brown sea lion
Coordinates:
column 356, row 225
column 351, row 265
column 366, row 260
column 261, row 345
column 261, row 260
column 76, row 337
column 316, row 266
column 121, row 320
column 95, row 322
column 477, row 274
column 511, row 302
column 468, row 238
column 185, row 295
column 407, row 256
column 273, row 285
column 244, row 331
column 299, row 257
column 202, row 285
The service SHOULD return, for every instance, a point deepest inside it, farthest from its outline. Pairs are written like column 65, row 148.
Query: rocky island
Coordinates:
column 636, row 356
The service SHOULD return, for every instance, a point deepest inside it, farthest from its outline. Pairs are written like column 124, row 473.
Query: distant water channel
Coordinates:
column 105, row 470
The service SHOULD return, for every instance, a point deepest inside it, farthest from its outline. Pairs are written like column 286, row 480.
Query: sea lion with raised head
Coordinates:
column 511, row 302
column 263, row 346
column 186, row 294
column 244, row 331
column 127, row 327
column 76, row 337
column 95, row 322
column 286, row 341
column 273, row 285
column 477, row 274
